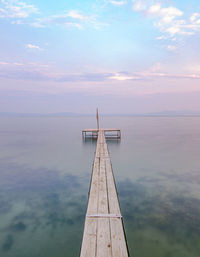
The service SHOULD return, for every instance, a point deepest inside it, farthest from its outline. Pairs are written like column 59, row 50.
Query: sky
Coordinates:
column 123, row 56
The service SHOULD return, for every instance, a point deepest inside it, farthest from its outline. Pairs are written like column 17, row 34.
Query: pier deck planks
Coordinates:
column 103, row 231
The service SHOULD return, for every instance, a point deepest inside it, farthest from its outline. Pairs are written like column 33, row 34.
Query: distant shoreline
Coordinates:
column 30, row 115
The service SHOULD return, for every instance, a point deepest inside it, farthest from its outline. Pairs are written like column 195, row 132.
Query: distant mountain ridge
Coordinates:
column 172, row 113
column 58, row 114
column 72, row 114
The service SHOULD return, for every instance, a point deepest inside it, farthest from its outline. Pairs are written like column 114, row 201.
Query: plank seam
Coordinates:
column 108, row 205
column 97, row 204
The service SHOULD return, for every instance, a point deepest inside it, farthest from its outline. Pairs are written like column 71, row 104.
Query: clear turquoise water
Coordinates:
column 45, row 170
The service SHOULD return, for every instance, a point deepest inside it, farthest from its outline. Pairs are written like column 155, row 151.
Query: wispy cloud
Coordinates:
column 167, row 15
column 195, row 18
column 31, row 46
column 124, row 76
column 171, row 47
column 4, row 63
column 72, row 18
column 20, row 13
column 42, row 72
column 28, row 66
column 77, row 15
column 170, row 20
column 139, row 5
column 16, row 9
column 117, row 3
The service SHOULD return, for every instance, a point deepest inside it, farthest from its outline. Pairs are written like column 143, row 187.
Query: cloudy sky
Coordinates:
column 125, row 56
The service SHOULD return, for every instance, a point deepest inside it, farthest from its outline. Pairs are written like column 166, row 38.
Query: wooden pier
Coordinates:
column 103, row 231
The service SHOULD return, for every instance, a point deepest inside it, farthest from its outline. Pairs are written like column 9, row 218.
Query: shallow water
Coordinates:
column 45, row 170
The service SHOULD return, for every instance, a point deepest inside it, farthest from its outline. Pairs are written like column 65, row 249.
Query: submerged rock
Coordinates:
column 19, row 226
column 8, row 243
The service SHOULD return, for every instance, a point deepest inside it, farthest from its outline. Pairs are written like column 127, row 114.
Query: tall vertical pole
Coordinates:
column 97, row 116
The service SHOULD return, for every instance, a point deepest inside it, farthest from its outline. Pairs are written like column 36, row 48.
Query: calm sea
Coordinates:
column 45, row 169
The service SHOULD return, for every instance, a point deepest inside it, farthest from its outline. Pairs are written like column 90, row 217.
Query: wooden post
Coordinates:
column 97, row 116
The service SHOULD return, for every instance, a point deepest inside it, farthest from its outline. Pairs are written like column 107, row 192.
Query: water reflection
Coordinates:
column 93, row 140
column 156, row 221
column 40, row 203
column 89, row 140
column 7, row 243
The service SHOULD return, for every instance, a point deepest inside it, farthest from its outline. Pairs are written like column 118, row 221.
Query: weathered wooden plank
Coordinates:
column 104, row 248
column 119, row 247
column 88, row 248
column 112, row 193
column 94, row 189
column 103, row 194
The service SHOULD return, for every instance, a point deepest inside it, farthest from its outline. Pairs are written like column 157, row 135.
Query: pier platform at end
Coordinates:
column 108, row 132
